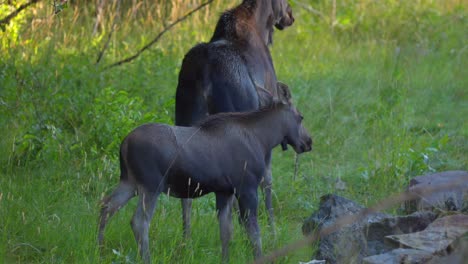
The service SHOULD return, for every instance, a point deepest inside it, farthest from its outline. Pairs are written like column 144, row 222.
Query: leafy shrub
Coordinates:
column 36, row 143
column 104, row 122
column 111, row 116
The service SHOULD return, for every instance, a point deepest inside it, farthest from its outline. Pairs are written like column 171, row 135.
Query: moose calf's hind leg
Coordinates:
column 111, row 204
column 141, row 221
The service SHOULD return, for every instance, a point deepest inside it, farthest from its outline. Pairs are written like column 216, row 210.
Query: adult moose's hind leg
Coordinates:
column 141, row 221
column 248, row 202
column 223, row 206
column 186, row 215
column 112, row 203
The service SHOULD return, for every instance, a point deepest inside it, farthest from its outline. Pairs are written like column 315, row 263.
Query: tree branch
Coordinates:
column 114, row 24
column 166, row 29
column 6, row 20
column 310, row 9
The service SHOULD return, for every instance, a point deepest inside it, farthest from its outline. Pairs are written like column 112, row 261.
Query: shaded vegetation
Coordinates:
column 382, row 86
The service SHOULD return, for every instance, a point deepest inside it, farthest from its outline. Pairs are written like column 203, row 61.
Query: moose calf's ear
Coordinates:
column 284, row 93
column 265, row 97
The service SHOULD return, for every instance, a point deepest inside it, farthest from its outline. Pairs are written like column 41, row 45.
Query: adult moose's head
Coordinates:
column 281, row 17
column 283, row 14
column 260, row 16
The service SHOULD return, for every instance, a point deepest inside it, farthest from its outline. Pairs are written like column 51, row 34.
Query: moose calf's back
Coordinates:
column 180, row 160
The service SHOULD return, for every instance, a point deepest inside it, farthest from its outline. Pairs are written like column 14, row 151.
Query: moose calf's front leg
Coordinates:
column 186, row 215
column 224, row 206
column 141, row 221
column 248, row 202
column 266, row 187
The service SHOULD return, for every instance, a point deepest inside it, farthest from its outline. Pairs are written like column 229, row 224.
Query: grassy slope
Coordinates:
column 384, row 103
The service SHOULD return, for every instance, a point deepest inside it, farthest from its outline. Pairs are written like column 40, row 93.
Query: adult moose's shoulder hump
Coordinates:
column 253, row 17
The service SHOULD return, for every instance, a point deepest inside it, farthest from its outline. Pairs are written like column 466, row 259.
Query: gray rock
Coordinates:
column 364, row 237
column 454, row 199
column 457, row 252
column 443, row 241
column 392, row 225
column 347, row 244
column 437, row 237
column 401, row 255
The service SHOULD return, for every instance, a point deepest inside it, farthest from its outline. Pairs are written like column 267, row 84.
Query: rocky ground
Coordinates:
column 434, row 228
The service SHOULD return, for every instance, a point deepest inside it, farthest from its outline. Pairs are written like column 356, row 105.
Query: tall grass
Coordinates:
column 382, row 86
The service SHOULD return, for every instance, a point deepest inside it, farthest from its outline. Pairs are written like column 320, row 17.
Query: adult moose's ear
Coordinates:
column 284, row 94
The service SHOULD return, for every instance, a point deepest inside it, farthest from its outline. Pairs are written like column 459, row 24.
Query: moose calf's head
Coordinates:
column 297, row 135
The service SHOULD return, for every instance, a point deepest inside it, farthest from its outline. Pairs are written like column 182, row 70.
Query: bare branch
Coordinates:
column 6, row 20
column 114, row 23
column 379, row 206
column 166, row 29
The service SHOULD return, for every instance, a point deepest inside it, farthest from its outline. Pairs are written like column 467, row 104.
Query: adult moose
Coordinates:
column 233, row 72
column 188, row 162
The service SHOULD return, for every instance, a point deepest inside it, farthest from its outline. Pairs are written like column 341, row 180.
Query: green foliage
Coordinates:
column 112, row 115
column 10, row 33
column 382, row 86
column 36, row 144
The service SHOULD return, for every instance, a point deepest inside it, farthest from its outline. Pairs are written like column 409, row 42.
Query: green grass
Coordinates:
column 384, row 94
